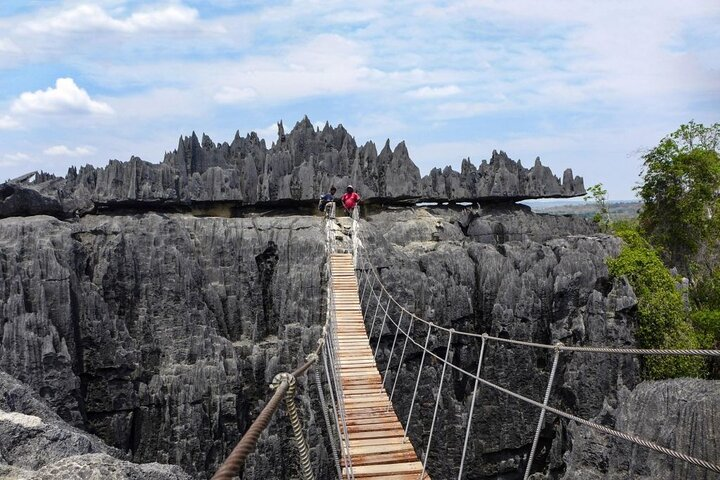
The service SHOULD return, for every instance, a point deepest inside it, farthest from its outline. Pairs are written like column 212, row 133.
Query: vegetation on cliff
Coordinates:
column 678, row 228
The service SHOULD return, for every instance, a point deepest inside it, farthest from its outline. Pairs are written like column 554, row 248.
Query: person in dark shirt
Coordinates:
column 350, row 199
column 326, row 199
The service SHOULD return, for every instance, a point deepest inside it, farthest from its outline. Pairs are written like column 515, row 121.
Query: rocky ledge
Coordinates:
column 37, row 444
column 298, row 167
column 682, row 414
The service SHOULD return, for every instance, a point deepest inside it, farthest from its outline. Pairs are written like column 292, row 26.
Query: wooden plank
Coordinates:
column 408, row 467
column 382, row 457
column 378, row 448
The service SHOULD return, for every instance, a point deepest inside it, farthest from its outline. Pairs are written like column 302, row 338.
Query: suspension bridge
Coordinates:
column 367, row 439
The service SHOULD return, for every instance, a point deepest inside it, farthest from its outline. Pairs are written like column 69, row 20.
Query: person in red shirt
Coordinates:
column 349, row 199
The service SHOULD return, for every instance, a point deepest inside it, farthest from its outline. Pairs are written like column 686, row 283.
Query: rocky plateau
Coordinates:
column 145, row 308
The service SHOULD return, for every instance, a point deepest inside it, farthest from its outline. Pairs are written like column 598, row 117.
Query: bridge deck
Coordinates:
column 378, row 447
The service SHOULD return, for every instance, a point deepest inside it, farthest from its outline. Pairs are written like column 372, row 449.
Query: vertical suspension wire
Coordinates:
column 377, row 307
column 369, row 279
column 363, row 280
column 382, row 328
column 326, row 417
column 336, row 407
column 437, row 400
column 402, row 356
column 417, row 382
column 472, row 405
column 392, row 349
column 341, row 406
column 541, row 420
column 321, row 394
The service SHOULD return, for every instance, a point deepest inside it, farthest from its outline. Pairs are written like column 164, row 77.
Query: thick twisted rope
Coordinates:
column 558, row 348
column 230, row 468
column 625, row 436
column 326, row 417
column 233, row 463
column 300, row 441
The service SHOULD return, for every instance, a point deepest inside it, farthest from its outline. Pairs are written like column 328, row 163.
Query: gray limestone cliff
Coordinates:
column 37, row 444
column 134, row 335
column 299, row 167
column 506, row 272
column 682, row 414
column 161, row 333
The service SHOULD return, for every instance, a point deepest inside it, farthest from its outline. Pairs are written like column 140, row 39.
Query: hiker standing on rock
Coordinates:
column 326, row 200
column 350, row 199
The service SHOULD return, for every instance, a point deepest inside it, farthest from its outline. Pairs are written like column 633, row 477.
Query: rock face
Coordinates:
column 160, row 334
column 682, row 414
column 300, row 166
column 525, row 283
column 38, row 444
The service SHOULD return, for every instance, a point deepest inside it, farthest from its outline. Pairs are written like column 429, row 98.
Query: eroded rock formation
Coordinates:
column 525, row 283
column 682, row 414
column 151, row 336
column 37, row 444
column 160, row 334
column 300, row 166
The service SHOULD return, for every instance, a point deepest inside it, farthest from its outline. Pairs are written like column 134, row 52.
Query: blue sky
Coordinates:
column 581, row 84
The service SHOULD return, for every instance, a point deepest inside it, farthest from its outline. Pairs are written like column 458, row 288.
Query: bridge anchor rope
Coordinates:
column 370, row 442
column 369, row 274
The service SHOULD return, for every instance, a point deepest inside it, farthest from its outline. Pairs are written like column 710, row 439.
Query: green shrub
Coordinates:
column 662, row 317
column 706, row 292
column 707, row 326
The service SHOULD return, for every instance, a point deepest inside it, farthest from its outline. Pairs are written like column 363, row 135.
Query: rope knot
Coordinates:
column 289, row 378
column 558, row 346
column 312, row 357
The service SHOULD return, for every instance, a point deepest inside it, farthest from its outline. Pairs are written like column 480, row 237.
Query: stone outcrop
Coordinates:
column 298, row 167
column 160, row 334
column 527, row 283
column 681, row 414
column 38, row 444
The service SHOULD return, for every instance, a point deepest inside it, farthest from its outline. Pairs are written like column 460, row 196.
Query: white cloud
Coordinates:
column 7, row 122
column 14, row 159
column 89, row 18
column 66, row 97
column 235, row 94
column 8, row 46
column 467, row 109
column 64, row 151
column 325, row 65
column 269, row 133
column 434, row 92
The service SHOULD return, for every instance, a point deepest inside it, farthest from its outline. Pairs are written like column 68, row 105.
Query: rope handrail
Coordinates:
column 232, row 465
column 230, row 468
column 565, row 348
column 558, row 348
column 284, row 386
column 626, row 436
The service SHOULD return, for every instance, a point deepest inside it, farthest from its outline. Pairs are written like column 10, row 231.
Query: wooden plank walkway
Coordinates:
column 378, row 448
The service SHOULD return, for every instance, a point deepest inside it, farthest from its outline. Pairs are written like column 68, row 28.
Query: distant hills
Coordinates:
column 621, row 209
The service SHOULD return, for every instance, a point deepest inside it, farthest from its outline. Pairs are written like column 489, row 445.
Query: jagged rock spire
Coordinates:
column 300, row 166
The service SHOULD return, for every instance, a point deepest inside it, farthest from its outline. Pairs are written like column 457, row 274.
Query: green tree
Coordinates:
column 680, row 190
column 598, row 194
column 662, row 318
